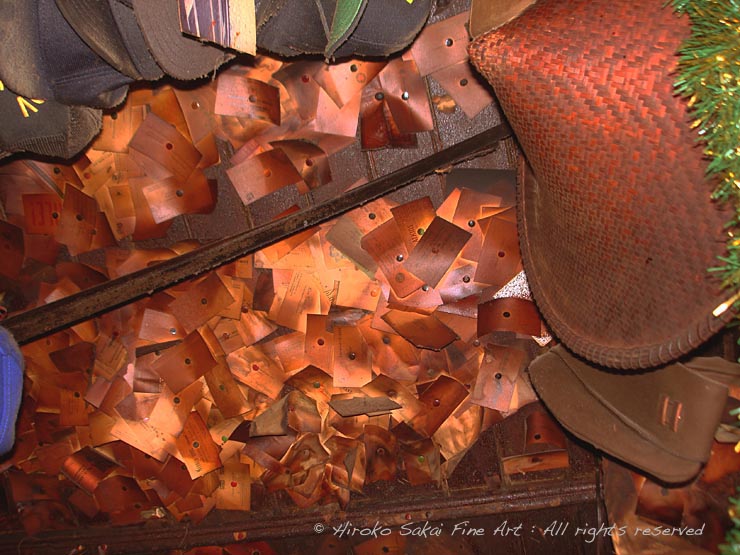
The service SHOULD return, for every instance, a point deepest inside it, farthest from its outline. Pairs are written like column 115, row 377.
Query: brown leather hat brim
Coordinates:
column 586, row 417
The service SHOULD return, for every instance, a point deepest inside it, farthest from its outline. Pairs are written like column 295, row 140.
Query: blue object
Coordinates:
column 11, row 392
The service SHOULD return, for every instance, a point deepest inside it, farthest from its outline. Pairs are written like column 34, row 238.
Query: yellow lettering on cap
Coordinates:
column 25, row 105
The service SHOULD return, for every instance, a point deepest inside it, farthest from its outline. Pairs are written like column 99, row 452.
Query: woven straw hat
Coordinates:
column 617, row 230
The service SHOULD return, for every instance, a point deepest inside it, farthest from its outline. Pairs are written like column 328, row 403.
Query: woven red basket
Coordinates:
column 617, row 230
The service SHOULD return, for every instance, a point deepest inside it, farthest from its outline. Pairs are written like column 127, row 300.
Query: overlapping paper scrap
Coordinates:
column 142, row 171
column 370, row 350
column 440, row 51
column 349, row 353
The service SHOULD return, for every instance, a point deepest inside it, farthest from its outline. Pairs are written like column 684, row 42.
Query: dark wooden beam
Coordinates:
column 47, row 319
column 163, row 536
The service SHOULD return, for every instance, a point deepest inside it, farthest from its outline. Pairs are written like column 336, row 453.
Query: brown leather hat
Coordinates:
column 617, row 230
column 661, row 421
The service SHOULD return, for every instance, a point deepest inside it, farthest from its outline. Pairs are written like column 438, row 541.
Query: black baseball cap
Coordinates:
column 41, row 56
column 377, row 28
column 45, row 127
column 179, row 56
column 293, row 28
column 109, row 27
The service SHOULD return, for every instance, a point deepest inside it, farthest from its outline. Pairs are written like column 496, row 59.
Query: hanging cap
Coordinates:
column 293, row 28
column 661, row 421
column 109, row 27
column 42, row 57
column 616, row 223
column 179, row 56
column 377, row 28
column 45, row 127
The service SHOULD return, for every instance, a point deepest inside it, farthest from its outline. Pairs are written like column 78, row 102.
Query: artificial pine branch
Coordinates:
column 709, row 77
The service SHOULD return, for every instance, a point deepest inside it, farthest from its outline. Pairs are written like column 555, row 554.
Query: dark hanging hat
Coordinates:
column 290, row 29
column 179, row 56
column 661, row 421
column 109, row 27
column 42, row 57
column 339, row 28
column 616, row 224
column 375, row 28
column 45, row 127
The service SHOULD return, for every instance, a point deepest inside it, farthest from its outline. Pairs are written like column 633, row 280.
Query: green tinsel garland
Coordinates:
column 709, row 77
column 732, row 547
